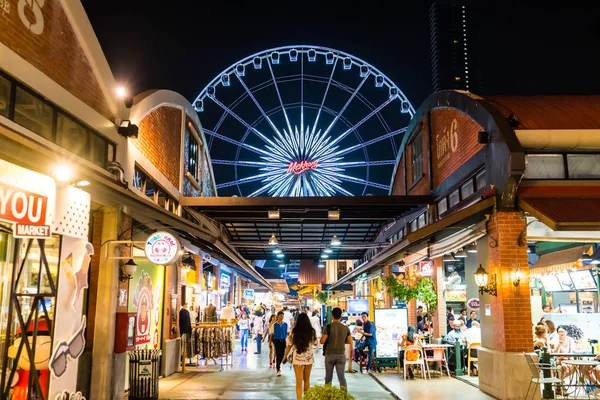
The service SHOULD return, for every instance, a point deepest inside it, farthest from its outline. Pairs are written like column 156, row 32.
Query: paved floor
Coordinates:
column 251, row 378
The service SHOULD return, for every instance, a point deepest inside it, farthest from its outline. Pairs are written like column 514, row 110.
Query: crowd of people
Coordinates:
column 294, row 335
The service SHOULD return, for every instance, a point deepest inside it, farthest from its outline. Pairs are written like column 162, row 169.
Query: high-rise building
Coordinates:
column 452, row 55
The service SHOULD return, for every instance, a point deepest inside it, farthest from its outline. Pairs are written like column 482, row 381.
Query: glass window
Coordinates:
column 442, row 206
column 467, row 189
column 454, row 198
column 413, row 225
column 98, row 150
column 584, row 166
column 544, row 166
column 6, row 266
column 193, row 157
column 421, row 221
column 480, row 180
column 417, row 158
column 33, row 113
column 71, row 136
column 4, row 96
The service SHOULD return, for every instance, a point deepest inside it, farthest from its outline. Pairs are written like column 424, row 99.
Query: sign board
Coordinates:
column 27, row 200
column 298, row 167
column 488, row 310
column 474, row 304
column 146, row 291
column 225, row 280
column 391, row 324
column 162, row 248
column 249, row 294
column 358, row 306
column 144, row 368
column 425, row 268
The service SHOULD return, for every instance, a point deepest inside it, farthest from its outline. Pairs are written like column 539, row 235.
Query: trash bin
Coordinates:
column 143, row 374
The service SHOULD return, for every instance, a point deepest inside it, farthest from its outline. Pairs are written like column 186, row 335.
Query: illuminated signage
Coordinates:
column 162, row 248
column 225, row 280
column 249, row 294
column 298, row 167
column 27, row 200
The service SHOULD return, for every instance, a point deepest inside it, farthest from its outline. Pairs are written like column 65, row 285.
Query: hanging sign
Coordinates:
column 474, row 304
column 298, row 167
column 249, row 294
column 425, row 267
column 27, row 200
column 162, row 248
column 225, row 280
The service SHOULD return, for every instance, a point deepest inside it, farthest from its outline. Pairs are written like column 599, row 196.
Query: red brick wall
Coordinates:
column 439, row 316
column 92, row 292
column 454, row 142
column 160, row 141
column 511, row 309
column 422, row 186
column 55, row 51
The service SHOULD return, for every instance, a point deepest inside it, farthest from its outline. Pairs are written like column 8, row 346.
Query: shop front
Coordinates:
column 44, row 262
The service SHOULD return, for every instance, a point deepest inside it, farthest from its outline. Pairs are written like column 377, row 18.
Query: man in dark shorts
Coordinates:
column 335, row 338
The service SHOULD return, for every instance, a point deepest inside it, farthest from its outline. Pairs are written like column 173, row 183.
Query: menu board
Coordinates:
column 583, row 279
column 550, row 283
column 391, row 324
column 565, row 281
column 358, row 306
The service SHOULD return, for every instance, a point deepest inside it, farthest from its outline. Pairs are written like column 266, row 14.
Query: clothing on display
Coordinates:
column 210, row 341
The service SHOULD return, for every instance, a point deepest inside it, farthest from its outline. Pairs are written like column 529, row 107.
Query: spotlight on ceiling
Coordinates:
column 333, row 215
column 447, row 258
column 328, row 250
column 127, row 129
column 324, row 256
column 273, row 240
column 280, row 255
column 472, row 248
column 335, row 241
column 274, row 214
column 460, row 254
column 277, row 251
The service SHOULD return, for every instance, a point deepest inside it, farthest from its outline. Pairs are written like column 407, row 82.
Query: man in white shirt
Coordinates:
column 473, row 334
column 228, row 313
column 288, row 318
column 457, row 333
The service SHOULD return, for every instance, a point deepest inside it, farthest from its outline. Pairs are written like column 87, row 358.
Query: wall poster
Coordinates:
column 146, row 291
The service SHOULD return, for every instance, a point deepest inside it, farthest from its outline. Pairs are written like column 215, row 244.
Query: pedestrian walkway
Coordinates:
column 251, row 378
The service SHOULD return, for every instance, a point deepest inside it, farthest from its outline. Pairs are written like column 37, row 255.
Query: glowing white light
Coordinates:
column 121, row 92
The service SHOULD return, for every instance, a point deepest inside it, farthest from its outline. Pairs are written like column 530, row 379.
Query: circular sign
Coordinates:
column 473, row 304
column 162, row 248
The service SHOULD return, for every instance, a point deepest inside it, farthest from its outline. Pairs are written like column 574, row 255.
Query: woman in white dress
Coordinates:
column 315, row 322
column 303, row 340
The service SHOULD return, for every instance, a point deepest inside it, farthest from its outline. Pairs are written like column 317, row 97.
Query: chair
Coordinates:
column 536, row 370
column 471, row 358
column 439, row 356
column 419, row 361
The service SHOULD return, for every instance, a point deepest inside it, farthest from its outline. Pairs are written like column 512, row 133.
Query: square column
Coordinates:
column 439, row 316
column 506, row 327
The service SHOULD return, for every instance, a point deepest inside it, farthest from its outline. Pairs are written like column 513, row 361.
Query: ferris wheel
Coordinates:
column 303, row 121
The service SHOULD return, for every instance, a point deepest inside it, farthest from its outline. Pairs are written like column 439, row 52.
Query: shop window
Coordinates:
column 480, row 180
column 33, row 113
column 454, row 198
column 71, row 136
column 414, row 225
column 544, row 166
column 583, row 166
column 98, row 150
column 421, row 221
column 417, row 158
column 193, row 157
column 467, row 189
column 442, row 206
column 4, row 96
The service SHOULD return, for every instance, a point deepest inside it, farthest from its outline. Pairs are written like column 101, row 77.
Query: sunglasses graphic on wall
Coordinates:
column 66, row 351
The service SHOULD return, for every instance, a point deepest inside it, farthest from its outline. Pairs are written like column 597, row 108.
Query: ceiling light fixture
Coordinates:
column 460, row 254
column 472, row 248
column 335, row 241
column 328, row 250
column 333, row 215
column 447, row 258
column 324, row 256
column 273, row 240
column 274, row 214
column 277, row 251
column 280, row 255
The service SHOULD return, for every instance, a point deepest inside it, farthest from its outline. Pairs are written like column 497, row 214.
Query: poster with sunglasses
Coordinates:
column 66, row 351
column 146, row 300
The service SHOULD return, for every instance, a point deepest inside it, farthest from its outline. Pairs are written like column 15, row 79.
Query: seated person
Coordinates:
column 409, row 339
column 420, row 325
column 540, row 339
column 566, row 345
column 457, row 334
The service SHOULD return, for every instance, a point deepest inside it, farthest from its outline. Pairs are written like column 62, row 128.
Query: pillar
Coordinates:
column 506, row 327
column 387, row 299
column 439, row 315
column 411, row 305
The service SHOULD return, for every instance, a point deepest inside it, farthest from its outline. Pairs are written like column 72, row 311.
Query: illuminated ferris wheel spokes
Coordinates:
column 302, row 160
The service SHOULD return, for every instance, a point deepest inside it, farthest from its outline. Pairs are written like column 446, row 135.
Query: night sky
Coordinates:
column 521, row 49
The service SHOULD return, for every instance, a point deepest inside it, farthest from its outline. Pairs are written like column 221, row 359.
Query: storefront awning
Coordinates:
column 413, row 245
column 564, row 213
column 557, row 261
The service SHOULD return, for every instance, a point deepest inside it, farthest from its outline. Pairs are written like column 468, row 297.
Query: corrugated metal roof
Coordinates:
column 551, row 112
column 568, row 209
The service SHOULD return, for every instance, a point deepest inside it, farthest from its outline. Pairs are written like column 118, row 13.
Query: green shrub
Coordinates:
column 327, row 392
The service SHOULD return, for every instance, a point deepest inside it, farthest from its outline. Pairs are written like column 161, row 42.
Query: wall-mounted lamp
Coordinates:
column 486, row 282
column 516, row 276
column 127, row 270
column 127, row 129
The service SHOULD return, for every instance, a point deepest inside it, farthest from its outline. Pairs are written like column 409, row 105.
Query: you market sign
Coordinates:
column 26, row 200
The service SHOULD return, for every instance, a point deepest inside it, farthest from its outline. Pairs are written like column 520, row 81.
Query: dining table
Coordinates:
column 577, row 379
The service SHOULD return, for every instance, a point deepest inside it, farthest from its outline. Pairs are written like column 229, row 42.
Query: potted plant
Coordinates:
column 408, row 289
column 327, row 392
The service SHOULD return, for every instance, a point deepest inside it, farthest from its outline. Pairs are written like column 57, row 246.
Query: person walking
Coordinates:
column 303, row 340
column 269, row 334
column 334, row 339
column 244, row 325
column 370, row 340
column 316, row 324
column 280, row 332
column 258, row 330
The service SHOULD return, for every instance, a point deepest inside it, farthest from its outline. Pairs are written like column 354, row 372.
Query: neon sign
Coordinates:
column 298, row 167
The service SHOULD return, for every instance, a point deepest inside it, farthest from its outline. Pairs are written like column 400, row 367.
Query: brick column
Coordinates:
column 388, row 300
column 511, row 309
column 439, row 316
column 412, row 312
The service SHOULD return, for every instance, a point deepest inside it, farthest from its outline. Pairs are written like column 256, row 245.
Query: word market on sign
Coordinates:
column 447, row 141
column 27, row 210
column 298, row 167
column 162, row 248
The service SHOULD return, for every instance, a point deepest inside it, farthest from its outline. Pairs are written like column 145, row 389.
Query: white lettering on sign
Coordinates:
column 34, row 231
column 35, row 7
column 447, row 142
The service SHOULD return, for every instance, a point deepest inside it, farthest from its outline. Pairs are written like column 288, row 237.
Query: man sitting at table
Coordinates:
column 457, row 333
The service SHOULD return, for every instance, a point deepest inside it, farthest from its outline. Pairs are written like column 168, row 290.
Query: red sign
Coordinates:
column 473, row 304
column 298, row 167
column 27, row 210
